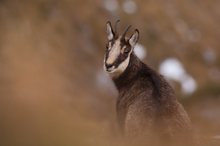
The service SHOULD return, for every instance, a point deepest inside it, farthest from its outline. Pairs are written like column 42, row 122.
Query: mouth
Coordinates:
column 110, row 70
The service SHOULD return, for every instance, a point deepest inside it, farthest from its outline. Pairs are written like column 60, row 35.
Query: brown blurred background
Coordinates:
column 52, row 85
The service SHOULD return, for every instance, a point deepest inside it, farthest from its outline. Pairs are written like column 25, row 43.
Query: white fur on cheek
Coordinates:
column 120, row 69
column 114, row 53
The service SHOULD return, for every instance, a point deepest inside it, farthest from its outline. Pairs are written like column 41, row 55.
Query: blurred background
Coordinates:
column 52, row 85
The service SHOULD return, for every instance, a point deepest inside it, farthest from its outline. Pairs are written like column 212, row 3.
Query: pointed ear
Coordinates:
column 134, row 38
column 109, row 30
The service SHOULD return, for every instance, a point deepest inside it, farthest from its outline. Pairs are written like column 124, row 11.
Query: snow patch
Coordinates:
column 173, row 69
column 129, row 6
column 140, row 51
column 111, row 5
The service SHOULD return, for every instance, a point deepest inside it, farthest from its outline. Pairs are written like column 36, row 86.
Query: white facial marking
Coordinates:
column 120, row 69
column 114, row 52
column 123, row 49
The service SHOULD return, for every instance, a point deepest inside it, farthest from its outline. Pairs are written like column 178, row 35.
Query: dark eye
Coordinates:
column 126, row 50
column 106, row 47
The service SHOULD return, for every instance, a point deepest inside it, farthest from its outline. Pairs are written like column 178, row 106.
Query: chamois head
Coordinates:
column 118, row 49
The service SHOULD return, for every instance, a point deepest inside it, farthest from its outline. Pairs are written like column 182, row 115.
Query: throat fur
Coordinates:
column 137, row 69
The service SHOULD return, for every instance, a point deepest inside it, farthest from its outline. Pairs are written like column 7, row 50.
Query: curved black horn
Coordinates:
column 126, row 30
column 116, row 24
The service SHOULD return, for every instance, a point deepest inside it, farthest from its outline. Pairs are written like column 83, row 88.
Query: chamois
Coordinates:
column 147, row 108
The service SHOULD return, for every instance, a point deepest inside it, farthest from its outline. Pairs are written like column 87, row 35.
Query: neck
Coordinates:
column 129, row 74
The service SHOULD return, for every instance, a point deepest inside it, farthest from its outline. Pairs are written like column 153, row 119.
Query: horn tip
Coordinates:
column 136, row 30
column 108, row 22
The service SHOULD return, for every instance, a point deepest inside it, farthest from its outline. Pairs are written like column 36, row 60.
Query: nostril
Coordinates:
column 109, row 65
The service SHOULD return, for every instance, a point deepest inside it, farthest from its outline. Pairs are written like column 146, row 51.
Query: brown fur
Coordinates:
column 147, row 109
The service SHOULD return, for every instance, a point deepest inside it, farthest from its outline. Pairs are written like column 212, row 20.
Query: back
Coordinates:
column 147, row 107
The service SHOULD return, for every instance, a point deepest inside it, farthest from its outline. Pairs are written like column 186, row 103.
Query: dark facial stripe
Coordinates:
column 123, row 55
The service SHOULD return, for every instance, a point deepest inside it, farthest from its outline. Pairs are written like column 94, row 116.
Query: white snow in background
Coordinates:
column 172, row 69
column 140, row 51
column 129, row 6
column 188, row 84
column 209, row 55
column 111, row 5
